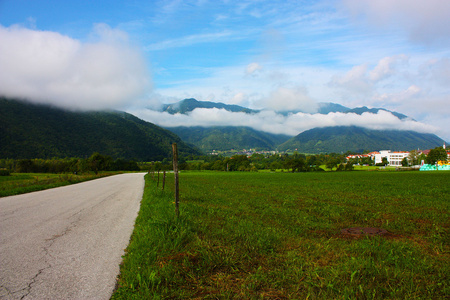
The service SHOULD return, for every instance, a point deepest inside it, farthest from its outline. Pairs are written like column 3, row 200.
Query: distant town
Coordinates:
column 381, row 158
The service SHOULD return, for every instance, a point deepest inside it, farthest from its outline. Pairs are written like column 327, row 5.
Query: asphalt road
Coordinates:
column 67, row 242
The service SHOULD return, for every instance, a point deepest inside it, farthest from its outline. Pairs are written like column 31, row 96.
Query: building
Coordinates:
column 394, row 158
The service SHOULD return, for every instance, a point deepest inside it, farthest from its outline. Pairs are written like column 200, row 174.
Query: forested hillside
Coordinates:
column 356, row 139
column 226, row 137
column 38, row 131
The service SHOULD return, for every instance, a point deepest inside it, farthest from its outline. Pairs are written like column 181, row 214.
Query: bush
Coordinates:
column 4, row 172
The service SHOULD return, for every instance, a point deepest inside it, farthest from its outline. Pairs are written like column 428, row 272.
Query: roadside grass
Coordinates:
column 277, row 236
column 21, row 183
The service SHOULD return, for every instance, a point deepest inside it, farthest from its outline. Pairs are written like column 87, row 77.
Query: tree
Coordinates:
column 413, row 157
column 367, row 161
column 299, row 164
column 404, row 162
column 384, row 161
column 98, row 162
column 332, row 163
column 349, row 166
column 312, row 160
column 436, row 155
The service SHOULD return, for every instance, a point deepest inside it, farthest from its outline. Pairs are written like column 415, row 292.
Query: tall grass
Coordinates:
column 277, row 236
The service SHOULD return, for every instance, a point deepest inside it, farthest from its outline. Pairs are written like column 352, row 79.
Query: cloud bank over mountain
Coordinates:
column 47, row 67
column 273, row 122
column 265, row 55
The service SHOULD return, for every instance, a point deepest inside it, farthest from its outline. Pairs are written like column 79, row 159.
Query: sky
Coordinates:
column 270, row 55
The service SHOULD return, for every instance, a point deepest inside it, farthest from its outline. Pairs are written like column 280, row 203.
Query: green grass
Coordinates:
column 277, row 236
column 20, row 183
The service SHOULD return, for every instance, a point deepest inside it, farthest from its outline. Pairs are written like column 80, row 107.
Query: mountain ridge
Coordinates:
column 359, row 139
column 187, row 105
column 41, row 131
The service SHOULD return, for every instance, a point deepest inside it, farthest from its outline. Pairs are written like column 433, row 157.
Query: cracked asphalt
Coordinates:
column 67, row 242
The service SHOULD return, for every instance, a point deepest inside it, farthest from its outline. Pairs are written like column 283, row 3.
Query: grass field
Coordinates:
column 20, row 183
column 278, row 236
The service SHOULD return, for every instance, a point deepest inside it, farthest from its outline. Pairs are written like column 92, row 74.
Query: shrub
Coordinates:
column 4, row 172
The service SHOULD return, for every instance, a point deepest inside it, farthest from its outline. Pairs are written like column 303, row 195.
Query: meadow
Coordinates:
column 244, row 235
column 20, row 183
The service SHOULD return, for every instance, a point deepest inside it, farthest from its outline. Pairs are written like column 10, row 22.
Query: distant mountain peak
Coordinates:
column 364, row 109
column 187, row 105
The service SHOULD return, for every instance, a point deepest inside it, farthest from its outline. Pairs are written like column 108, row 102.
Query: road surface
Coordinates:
column 67, row 242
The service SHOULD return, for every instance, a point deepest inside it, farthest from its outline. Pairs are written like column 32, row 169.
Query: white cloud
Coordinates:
column 284, row 98
column 355, row 80
column 361, row 80
column 424, row 21
column 189, row 40
column 438, row 71
column 252, row 69
column 386, row 67
column 238, row 98
column 270, row 121
column 48, row 67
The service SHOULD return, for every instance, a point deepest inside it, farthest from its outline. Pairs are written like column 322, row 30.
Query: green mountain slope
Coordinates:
column 357, row 139
column 38, row 131
column 228, row 137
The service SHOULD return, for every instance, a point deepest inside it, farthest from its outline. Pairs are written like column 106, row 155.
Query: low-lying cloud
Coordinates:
column 270, row 121
column 51, row 68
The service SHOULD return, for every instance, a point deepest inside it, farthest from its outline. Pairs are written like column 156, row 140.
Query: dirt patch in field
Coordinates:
column 360, row 232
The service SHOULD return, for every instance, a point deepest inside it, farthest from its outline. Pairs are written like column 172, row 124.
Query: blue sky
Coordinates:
column 135, row 55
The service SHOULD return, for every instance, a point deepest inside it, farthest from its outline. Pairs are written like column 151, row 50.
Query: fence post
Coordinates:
column 164, row 179
column 157, row 184
column 175, row 172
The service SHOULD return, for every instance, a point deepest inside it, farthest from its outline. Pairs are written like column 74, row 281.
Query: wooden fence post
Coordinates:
column 157, row 184
column 164, row 180
column 175, row 172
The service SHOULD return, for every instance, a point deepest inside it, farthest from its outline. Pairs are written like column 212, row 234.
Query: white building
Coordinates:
column 394, row 158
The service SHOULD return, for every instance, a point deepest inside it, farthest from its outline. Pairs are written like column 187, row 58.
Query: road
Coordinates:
column 67, row 242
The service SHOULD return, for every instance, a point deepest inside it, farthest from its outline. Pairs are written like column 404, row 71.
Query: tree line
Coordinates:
column 295, row 162
column 95, row 163
column 290, row 163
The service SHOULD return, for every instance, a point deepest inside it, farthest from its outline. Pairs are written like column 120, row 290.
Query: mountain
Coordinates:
column 327, row 107
column 361, row 110
column 228, row 137
column 357, row 139
column 187, row 105
column 40, row 131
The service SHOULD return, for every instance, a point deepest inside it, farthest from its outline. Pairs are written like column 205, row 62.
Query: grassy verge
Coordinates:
column 20, row 183
column 277, row 236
